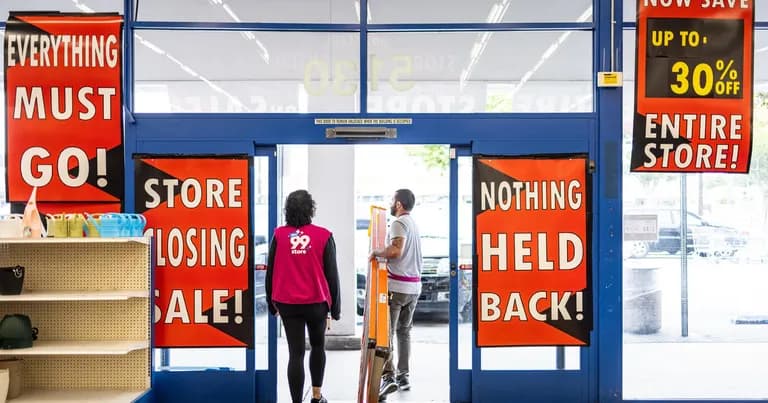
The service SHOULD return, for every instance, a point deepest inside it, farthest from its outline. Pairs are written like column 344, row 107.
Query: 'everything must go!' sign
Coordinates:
column 63, row 94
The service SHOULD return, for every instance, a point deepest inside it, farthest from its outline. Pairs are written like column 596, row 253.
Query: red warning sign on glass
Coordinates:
column 63, row 94
column 693, row 92
column 197, row 211
column 532, row 277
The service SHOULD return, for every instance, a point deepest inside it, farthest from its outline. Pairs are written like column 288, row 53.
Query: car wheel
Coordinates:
column 360, row 310
column 466, row 314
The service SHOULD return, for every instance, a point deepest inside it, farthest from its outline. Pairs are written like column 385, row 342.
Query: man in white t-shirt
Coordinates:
column 404, row 264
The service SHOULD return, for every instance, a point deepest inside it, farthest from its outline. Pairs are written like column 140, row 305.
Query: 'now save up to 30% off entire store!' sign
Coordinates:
column 693, row 91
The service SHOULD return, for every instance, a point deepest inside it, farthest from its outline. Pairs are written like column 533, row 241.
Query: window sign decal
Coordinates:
column 197, row 211
column 64, row 114
column 533, row 268
column 693, row 92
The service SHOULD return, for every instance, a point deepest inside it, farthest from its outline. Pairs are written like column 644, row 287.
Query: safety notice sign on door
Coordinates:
column 532, row 271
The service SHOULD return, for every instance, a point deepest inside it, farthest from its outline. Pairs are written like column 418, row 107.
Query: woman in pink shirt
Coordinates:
column 302, row 286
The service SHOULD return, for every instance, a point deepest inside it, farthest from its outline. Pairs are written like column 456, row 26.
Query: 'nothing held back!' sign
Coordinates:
column 532, row 274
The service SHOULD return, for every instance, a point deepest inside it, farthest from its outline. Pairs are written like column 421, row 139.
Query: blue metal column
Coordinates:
column 128, row 65
column 363, row 56
column 266, row 380
column 129, row 124
column 476, row 352
column 607, row 221
column 273, row 203
column 460, row 381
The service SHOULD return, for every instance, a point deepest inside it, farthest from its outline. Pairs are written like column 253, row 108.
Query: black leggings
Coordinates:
column 295, row 318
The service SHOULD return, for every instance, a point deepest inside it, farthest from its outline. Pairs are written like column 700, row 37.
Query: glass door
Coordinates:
column 544, row 362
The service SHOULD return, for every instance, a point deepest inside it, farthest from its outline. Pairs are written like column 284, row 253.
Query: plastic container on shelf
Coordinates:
column 137, row 222
column 15, row 376
column 11, row 226
column 5, row 379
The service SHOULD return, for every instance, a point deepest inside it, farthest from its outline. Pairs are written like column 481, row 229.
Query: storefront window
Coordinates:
column 630, row 12
column 252, row 72
column 491, row 11
column 68, row 6
column 294, row 11
column 685, row 310
column 477, row 72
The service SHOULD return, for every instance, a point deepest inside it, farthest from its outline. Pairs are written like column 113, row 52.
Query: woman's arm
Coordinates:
column 332, row 276
column 268, row 278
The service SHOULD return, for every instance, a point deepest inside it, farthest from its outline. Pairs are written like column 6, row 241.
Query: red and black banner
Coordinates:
column 532, row 273
column 64, row 116
column 197, row 211
column 693, row 86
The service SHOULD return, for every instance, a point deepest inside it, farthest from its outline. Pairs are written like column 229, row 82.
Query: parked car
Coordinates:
column 435, row 279
column 260, row 251
column 702, row 237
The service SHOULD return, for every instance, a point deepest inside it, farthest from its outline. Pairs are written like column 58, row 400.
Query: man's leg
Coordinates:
column 388, row 384
column 404, row 325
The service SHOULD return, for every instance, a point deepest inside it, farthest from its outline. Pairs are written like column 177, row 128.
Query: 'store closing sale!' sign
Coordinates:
column 693, row 87
column 63, row 94
column 532, row 271
column 197, row 212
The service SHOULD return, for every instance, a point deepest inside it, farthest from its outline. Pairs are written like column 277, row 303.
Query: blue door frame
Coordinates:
column 487, row 134
column 599, row 133
column 575, row 385
column 216, row 384
column 460, row 379
column 266, row 379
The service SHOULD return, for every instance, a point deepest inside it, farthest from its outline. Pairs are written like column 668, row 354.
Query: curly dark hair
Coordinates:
column 299, row 208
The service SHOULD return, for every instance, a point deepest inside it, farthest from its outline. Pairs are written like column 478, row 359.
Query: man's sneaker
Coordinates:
column 403, row 383
column 388, row 386
column 320, row 400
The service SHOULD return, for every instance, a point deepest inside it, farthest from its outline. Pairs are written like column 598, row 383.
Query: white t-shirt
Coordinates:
column 405, row 271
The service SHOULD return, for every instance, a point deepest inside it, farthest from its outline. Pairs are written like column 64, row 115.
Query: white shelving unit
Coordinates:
column 64, row 241
column 77, row 295
column 90, row 300
column 79, row 396
column 88, row 347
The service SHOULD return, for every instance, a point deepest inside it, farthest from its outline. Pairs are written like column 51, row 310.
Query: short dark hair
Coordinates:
column 299, row 208
column 406, row 198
